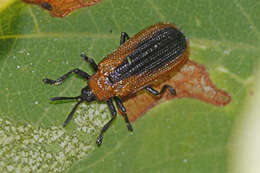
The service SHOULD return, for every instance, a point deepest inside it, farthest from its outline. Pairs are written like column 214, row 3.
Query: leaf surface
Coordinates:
column 182, row 135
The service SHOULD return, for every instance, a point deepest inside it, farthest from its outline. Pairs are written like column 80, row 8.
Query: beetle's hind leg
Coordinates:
column 107, row 125
column 65, row 76
column 124, row 37
column 122, row 108
column 165, row 87
column 90, row 60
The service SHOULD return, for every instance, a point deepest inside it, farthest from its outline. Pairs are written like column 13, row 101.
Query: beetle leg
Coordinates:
column 124, row 37
column 90, row 60
column 65, row 76
column 122, row 108
column 107, row 125
column 165, row 87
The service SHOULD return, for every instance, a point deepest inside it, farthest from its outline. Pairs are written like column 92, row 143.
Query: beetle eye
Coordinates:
column 46, row 6
column 85, row 91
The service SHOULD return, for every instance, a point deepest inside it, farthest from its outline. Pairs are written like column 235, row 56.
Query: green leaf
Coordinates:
column 183, row 135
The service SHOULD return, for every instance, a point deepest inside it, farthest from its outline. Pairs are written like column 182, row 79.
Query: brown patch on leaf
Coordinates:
column 61, row 8
column 192, row 80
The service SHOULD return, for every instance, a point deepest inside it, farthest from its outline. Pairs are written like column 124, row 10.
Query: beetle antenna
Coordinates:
column 71, row 113
column 74, row 108
column 65, row 98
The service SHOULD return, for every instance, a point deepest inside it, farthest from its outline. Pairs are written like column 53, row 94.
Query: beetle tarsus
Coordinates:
column 128, row 124
column 107, row 125
column 99, row 140
column 124, row 37
column 129, row 127
column 104, row 129
column 165, row 87
column 49, row 81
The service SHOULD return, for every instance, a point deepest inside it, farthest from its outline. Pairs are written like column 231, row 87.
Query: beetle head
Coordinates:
column 87, row 94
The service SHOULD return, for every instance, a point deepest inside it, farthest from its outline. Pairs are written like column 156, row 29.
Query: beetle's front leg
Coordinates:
column 107, row 125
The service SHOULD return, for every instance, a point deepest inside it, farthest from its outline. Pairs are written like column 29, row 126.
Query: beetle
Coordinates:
column 139, row 61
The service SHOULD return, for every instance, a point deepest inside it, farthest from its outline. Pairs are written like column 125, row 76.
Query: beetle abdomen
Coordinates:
column 164, row 46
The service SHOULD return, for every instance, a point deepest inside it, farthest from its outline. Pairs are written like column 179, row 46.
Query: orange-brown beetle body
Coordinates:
column 104, row 89
column 148, row 56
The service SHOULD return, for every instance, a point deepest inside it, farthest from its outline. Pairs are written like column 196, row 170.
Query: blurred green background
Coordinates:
column 182, row 135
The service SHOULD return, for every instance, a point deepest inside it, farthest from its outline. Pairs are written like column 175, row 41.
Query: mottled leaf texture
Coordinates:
column 184, row 135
